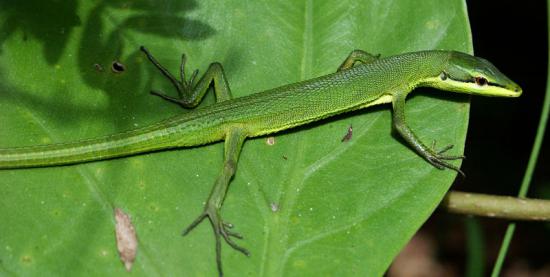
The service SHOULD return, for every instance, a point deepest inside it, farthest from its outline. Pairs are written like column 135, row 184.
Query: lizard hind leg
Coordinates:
column 192, row 91
column 178, row 84
column 357, row 56
column 233, row 144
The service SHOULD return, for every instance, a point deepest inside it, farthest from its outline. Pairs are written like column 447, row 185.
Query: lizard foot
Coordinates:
column 439, row 160
column 221, row 230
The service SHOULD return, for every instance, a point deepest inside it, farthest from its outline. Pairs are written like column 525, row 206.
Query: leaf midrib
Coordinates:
column 277, row 243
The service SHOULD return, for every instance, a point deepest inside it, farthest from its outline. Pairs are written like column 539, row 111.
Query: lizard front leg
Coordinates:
column 434, row 157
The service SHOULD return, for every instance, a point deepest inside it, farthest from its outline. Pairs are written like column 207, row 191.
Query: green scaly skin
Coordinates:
column 363, row 80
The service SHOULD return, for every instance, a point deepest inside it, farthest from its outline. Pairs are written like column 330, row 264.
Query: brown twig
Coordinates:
column 506, row 207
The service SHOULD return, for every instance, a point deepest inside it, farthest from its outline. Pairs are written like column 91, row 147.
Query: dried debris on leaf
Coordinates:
column 274, row 207
column 126, row 239
column 270, row 141
column 98, row 67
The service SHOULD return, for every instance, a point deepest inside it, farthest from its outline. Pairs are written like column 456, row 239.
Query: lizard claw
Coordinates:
column 233, row 234
column 438, row 159
column 227, row 236
column 221, row 229
column 445, row 149
column 439, row 162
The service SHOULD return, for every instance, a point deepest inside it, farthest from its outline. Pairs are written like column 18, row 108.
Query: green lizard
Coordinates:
column 362, row 80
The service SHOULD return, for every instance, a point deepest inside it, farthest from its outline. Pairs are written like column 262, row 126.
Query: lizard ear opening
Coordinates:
column 443, row 76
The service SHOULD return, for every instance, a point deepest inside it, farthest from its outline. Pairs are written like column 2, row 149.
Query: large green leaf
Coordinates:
column 306, row 205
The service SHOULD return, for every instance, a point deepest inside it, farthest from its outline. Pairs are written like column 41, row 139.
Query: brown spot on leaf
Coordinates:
column 126, row 239
column 348, row 135
column 26, row 259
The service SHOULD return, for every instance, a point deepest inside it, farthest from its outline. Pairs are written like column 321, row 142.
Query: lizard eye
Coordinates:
column 443, row 76
column 480, row 81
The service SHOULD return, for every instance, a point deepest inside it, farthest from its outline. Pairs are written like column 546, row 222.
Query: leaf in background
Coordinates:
column 308, row 204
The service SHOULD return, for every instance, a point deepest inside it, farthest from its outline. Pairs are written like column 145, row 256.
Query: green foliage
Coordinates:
column 308, row 204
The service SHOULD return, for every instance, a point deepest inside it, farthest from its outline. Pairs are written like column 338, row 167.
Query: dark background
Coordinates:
column 514, row 36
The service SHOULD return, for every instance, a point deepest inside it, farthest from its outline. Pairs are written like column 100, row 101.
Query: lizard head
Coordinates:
column 468, row 74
